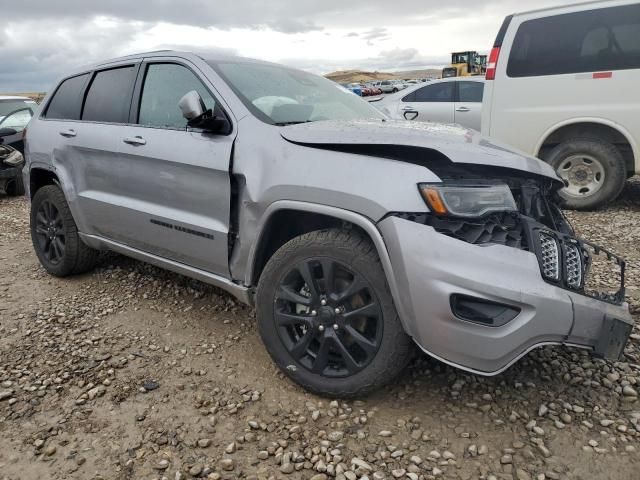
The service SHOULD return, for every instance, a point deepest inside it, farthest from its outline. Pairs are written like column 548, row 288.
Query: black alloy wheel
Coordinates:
column 328, row 317
column 49, row 232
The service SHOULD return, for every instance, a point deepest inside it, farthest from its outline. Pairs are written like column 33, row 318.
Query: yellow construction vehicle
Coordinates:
column 464, row 64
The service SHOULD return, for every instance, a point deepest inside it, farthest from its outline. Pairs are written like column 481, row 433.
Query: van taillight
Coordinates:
column 493, row 63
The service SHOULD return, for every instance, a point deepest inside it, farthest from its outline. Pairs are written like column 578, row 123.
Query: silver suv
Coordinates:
column 354, row 236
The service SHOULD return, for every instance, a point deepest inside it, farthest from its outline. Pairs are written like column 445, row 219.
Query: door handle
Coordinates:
column 68, row 133
column 135, row 141
column 408, row 109
column 463, row 109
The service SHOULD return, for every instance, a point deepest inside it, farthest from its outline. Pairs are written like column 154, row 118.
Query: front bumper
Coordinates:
column 430, row 267
column 9, row 173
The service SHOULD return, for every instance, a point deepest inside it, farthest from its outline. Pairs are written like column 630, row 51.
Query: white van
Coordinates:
column 564, row 84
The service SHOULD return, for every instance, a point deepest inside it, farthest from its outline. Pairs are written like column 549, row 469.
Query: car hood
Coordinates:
column 460, row 145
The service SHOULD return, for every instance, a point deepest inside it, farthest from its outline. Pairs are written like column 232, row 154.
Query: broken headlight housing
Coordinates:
column 14, row 159
column 468, row 200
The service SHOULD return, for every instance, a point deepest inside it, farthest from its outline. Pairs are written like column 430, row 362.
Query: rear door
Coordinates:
column 88, row 157
column 468, row 105
column 432, row 103
column 173, row 184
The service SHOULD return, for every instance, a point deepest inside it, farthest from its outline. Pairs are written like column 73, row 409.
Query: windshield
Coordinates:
column 282, row 96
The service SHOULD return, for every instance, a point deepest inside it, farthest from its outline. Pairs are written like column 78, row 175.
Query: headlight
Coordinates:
column 467, row 200
column 14, row 159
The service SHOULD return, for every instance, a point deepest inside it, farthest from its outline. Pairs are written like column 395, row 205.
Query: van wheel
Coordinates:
column 595, row 172
column 326, row 315
column 55, row 235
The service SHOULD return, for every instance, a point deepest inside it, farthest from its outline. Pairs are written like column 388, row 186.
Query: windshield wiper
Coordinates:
column 284, row 124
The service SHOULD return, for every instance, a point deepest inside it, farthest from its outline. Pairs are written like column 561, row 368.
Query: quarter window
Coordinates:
column 67, row 101
column 470, row 92
column 164, row 85
column 109, row 96
column 590, row 41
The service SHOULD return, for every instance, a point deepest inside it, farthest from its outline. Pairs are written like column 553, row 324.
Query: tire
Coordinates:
column 581, row 162
column 74, row 256
column 15, row 187
column 388, row 347
column 395, row 90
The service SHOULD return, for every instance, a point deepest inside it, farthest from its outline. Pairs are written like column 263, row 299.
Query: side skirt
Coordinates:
column 240, row 292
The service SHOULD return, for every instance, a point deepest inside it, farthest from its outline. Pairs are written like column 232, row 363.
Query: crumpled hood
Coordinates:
column 458, row 144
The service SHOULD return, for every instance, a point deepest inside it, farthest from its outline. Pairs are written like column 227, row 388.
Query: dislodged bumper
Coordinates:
column 434, row 271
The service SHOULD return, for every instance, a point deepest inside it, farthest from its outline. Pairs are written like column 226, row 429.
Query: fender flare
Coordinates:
column 405, row 312
column 600, row 121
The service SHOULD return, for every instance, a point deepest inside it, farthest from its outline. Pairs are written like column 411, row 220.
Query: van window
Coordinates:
column 470, row 92
column 590, row 41
column 164, row 85
column 109, row 96
column 67, row 101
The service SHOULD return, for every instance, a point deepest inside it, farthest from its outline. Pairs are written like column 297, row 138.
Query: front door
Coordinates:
column 175, row 180
column 432, row 103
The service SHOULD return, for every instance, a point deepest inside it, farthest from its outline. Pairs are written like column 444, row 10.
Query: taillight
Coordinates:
column 493, row 63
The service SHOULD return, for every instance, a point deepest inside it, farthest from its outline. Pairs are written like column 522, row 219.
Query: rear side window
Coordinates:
column 109, row 96
column 67, row 101
column 439, row 92
column 164, row 86
column 590, row 41
column 470, row 92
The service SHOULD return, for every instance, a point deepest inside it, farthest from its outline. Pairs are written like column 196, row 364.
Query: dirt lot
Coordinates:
column 131, row 372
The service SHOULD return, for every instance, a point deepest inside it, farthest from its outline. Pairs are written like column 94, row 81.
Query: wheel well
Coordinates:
column 285, row 225
column 595, row 131
column 38, row 178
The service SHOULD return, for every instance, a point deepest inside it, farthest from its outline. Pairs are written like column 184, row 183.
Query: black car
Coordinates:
column 11, row 163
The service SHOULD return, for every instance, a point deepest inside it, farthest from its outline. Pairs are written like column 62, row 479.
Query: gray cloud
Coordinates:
column 42, row 39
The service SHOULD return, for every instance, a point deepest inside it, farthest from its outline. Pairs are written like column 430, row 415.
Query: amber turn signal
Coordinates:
column 434, row 200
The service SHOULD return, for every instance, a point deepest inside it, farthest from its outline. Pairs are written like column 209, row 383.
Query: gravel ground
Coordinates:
column 133, row 372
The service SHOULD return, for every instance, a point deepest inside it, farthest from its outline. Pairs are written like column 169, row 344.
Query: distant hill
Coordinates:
column 37, row 96
column 359, row 76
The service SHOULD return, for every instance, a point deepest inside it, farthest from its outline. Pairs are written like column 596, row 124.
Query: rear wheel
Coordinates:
column 55, row 235
column 326, row 315
column 594, row 171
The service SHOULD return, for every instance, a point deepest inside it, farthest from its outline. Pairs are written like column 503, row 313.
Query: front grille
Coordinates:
column 580, row 266
column 549, row 256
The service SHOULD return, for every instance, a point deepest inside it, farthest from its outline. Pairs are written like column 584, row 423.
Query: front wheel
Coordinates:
column 593, row 170
column 326, row 315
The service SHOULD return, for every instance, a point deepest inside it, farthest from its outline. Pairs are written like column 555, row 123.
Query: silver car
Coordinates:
column 454, row 100
column 353, row 236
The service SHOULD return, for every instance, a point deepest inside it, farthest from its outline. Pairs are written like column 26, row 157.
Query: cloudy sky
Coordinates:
column 42, row 39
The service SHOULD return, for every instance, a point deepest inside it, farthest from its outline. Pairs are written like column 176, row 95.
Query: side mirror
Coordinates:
column 193, row 109
column 191, row 105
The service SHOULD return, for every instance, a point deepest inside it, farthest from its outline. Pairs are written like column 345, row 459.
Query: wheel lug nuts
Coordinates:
column 336, row 326
column 313, row 313
column 321, row 328
column 338, row 311
column 323, row 302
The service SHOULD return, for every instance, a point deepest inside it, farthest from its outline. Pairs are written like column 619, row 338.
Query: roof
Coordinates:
column 9, row 97
column 571, row 6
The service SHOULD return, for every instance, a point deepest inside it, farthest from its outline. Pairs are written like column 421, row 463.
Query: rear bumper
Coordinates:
column 430, row 267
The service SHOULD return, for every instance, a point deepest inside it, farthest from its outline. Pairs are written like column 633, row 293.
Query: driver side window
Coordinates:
column 164, row 86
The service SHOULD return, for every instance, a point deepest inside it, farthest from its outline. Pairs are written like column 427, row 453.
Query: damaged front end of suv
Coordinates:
column 489, row 268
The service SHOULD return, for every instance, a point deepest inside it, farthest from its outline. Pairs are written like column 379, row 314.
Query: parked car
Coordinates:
column 451, row 100
column 560, row 86
column 390, row 86
column 374, row 90
column 352, row 234
column 11, row 163
column 353, row 88
column 15, row 113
